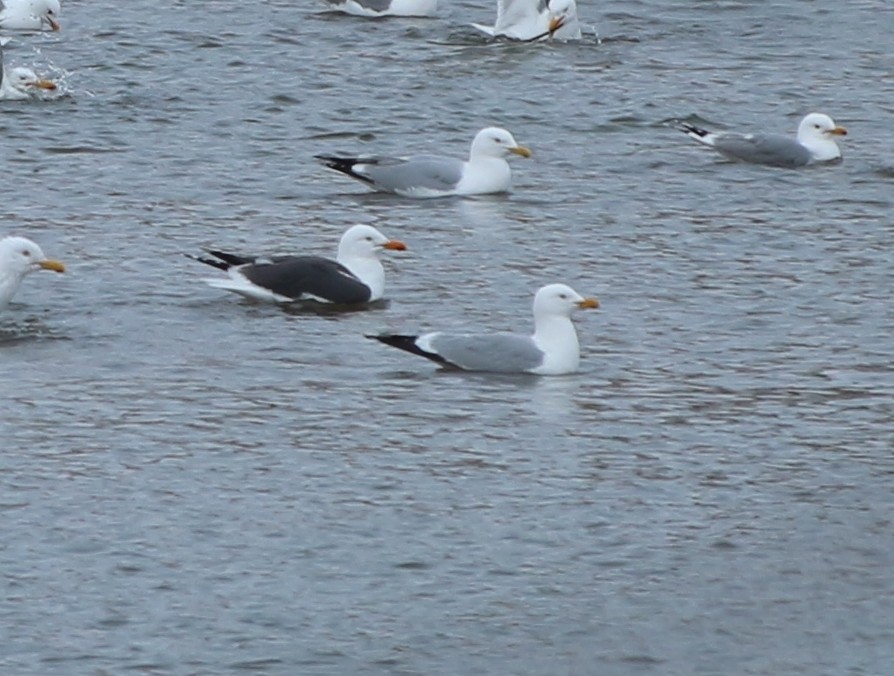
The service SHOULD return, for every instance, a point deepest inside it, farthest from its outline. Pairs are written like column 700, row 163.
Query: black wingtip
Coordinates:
column 220, row 265
column 407, row 344
column 692, row 129
column 345, row 165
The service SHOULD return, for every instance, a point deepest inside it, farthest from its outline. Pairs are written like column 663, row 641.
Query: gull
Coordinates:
column 30, row 15
column 20, row 82
column 19, row 257
column 486, row 171
column 356, row 276
column 815, row 143
column 377, row 8
column 534, row 19
column 553, row 349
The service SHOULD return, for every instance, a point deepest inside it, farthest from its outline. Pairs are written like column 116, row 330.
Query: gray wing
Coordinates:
column 499, row 352
column 374, row 5
column 777, row 151
column 422, row 173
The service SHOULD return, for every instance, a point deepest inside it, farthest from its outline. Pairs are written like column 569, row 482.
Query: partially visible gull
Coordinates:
column 535, row 19
column 377, row 8
column 552, row 350
column 21, row 83
column 486, row 170
column 815, row 143
column 30, row 15
column 355, row 277
column 18, row 257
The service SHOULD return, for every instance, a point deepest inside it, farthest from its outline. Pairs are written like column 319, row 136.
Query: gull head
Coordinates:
column 19, row 256
column 48, row 12
column 817, row 133
column 24, row 79
column 496, row 142
column 364, row 241
column 560, row 13
column 560, row 300
column 819, row 126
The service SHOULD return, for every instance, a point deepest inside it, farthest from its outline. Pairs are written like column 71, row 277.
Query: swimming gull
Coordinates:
column 21, row 82
column 377, row 8
column 30, row 15
column 552, row 350
column 355, row 277
column 18, row 257
column 815, row 143
column 535, row 19
column 486, row 171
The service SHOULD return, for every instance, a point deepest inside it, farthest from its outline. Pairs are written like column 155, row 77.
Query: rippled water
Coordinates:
column 193, row 484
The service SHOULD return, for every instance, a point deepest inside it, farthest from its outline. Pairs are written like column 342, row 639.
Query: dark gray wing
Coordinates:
column 299, row 276
column 774, row 150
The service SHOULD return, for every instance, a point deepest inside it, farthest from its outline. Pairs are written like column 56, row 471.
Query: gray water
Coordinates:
column 194, row 484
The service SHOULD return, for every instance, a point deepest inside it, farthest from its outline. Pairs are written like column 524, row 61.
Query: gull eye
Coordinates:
column 26, row 253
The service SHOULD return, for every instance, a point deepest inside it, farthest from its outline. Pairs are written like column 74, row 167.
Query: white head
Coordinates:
column 18, row 257
column 561, row 12
column 48, row 12
column 560, row 300
column 25, row 81
column 359, row 250
column 496, row 142
column 817, row 132
column 364, row 241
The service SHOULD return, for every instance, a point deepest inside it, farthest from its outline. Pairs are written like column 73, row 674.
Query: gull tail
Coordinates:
column 224, row 261
column 697, row 133
column 220, row 265
column 345, row 165
column 407, row 344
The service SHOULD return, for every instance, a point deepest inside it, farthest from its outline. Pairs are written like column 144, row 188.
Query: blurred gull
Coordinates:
column 815, row 143
column 534, row 19
column 552, row 350
column 486, row 171
column 30, row 15
column 21, row 83
column 377, row 8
